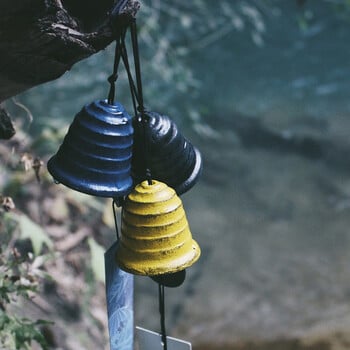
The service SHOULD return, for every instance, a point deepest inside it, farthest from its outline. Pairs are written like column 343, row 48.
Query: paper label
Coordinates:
column 148, row 340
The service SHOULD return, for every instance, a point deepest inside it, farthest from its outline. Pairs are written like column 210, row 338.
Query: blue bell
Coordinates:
column 160, row 146
column 95, row 156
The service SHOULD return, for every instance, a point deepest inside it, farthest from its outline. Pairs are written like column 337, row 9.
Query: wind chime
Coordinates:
column 143, row 163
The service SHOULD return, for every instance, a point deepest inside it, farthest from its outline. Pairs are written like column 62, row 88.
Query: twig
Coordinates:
column 25, row 108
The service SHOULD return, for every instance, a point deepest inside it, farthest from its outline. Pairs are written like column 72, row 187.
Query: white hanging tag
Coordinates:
column 148, row 340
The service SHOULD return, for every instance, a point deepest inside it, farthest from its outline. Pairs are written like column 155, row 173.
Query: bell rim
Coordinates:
column 94, row 189
column 155, row 268
column 194, row 177
column 184, row 186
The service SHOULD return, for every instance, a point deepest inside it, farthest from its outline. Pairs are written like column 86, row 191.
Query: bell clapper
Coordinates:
column 171, row 280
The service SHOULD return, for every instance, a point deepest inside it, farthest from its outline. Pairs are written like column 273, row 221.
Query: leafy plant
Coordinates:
column 20, row 277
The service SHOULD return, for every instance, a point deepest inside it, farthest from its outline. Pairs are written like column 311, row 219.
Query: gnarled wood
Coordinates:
column 41, row 39
column 6, row 128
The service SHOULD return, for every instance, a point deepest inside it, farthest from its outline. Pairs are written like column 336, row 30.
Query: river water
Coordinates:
column 269, row 111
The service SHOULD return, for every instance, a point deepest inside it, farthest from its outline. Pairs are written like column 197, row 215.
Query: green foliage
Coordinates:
column 19, row 279
column 20, row 333
column 25, row 245
column 29, row 229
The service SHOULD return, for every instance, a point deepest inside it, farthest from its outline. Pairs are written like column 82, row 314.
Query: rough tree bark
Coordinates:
column 41, row 39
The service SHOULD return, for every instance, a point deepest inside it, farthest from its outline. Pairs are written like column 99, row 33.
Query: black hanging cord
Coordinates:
column 135, row 48
column 116, row 204
column 122, row 14
column 114, row 76
column 162, row 315
column 133, row 90
column 136, row 90
column 146, row 130
column 118, row 8
column 141, row 108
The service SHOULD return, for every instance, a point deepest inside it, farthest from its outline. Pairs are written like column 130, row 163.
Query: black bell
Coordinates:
column 160, row 146
column 95, row 156
column 171, row 280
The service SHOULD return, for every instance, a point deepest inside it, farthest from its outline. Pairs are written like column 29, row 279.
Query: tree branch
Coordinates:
column 6, row 128
column 40, row 39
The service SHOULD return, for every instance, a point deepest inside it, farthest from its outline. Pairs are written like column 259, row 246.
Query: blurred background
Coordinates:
column 262, row 89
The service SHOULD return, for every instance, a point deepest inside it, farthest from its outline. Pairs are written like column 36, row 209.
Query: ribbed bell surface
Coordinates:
column 95, row 156
column 155, row 236
column 171, row 158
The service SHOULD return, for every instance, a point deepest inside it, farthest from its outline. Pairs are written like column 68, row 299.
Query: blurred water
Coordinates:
column 273, row 225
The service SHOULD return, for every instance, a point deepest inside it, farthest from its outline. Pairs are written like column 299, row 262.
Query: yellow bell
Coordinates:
column 155, row 236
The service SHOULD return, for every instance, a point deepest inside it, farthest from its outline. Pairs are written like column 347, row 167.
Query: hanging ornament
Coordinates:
column 171, row 157
column 155, row 239
column 95, row 157
column 101, row 156
column 159, row 147
column 155, row 236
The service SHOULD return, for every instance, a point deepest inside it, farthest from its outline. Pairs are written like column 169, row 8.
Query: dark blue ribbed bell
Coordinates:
column 95, row 156
column 171, row 158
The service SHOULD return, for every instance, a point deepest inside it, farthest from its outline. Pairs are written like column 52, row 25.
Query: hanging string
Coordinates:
column 114, row 76
column 115, row 204
column 133, row 91
column 135, row 48
column 162, row 315
column 141, row 108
